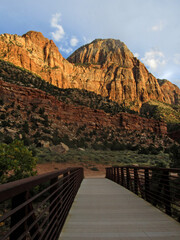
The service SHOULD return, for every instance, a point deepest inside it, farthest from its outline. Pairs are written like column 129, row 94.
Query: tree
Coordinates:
column 26, row 127
column 16, row 162
column 175, row 156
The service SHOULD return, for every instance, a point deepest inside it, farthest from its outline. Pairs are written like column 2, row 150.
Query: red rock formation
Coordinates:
column 106, row 67
column 58, row 111
column 171, row 92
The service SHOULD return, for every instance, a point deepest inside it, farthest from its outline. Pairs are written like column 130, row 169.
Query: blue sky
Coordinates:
column 150, row 29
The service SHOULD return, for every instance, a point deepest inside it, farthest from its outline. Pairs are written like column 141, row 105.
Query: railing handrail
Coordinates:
column 173, row 170
column 11, row 189
column 38, row 212
column 159, row 186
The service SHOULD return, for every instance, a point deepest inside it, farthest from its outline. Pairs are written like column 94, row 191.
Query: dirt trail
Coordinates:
column 49, row 167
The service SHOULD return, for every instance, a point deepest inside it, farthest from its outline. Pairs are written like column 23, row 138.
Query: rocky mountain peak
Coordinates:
column 37, row 38
column 102, row 51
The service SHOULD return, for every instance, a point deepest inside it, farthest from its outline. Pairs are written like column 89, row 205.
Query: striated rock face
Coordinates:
column 106, row 67
column 59, row 112
column 38, row 54
column 102, row 52
column 122, row 77
column 170, row 91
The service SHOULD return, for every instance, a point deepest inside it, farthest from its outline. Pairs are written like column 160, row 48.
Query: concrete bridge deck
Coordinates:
column 104, row 210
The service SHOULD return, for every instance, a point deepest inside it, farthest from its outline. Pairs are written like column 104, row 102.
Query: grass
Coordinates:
column 90, row 156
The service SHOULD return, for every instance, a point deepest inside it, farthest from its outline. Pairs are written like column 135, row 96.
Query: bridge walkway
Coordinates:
column 104, row 210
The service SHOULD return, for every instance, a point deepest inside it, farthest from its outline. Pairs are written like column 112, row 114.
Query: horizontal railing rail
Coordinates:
column 37, row 207
column 159, row 186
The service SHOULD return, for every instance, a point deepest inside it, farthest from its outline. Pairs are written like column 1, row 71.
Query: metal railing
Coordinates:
column 36, row 207
column 159, row 186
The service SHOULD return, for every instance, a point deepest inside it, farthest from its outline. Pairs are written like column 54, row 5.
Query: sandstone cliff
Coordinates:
column 171, row 92
column 106, row 67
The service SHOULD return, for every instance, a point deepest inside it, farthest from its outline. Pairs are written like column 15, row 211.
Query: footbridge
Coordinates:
column 129, row 203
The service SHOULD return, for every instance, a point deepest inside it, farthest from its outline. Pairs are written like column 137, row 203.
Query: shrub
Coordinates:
column 16, row 162
column 8, row 139
column 5, row 123
column 45, row 130
column 55, row 137
column 116, row 146
column 45, row 122
column 26, row 127
column 175, row 156
column 41, row 110
column 3, row 116
column 97, row 146
column 143, row 150
column 1, row 102
column 94, row 169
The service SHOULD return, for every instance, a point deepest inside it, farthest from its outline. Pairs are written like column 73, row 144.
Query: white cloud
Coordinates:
column 154, row 59
column 74, row 41
column 136, row 55
column 158, row 27
column 59, row 33
column 177, row 58
column 66, row 50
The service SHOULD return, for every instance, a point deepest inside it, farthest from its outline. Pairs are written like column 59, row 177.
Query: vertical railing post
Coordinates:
column 135, row 181
column 122, row 176
column 167, row 192
column 118, row 178
column 111, row 173
column 16, row 217
column 73, row 181
column 127, row 178
column 53, row 211
column 147, row 187
column 106, row 173
column 65, row 183
column 114, row 174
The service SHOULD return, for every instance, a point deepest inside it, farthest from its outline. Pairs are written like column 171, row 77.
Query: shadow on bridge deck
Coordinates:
column 104, row 210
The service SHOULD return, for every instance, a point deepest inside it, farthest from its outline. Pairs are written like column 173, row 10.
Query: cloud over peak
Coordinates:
column 74, row 41
column 59, row 33
column 154, row 59
column 67, row 42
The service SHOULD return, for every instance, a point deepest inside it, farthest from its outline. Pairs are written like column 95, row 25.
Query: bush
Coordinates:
column 25, row 127
column 3, row 116
column 143, row 150
column 55, row 138
column 1, row 102
column 16, row 162
column 175, row 156
column 8, row 139
column 116, row 146
column 94, row 169
column 97, row 146
column 41, row 110
column 5, row 123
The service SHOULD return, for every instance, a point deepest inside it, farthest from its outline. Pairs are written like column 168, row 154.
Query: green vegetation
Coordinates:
column 175, row 156
column 164, row 112
column 90, row 156
column 16, row 162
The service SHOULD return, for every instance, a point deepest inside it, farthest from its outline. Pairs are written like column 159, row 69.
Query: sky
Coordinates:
column 149, row 28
